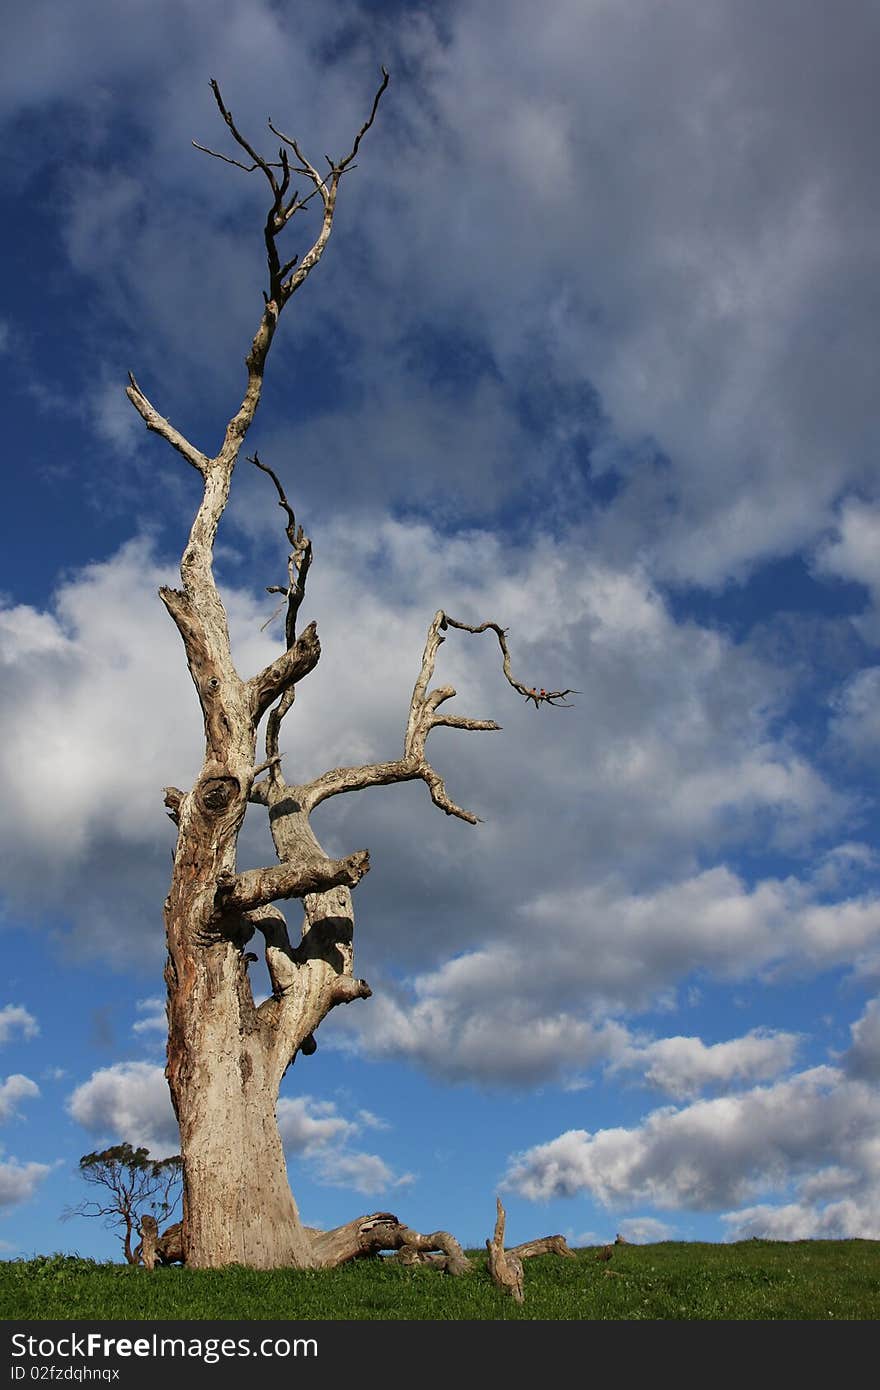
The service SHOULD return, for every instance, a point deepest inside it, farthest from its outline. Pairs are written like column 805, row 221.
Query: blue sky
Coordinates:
column 592, row 353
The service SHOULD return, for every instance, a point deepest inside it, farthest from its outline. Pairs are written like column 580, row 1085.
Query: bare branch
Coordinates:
column 533, row 693
column 344, row 163
column 355, row 779
column 270, row 762
column 441, row 798
column 422, row 719
column 159, row 425
column 458, row 721
column 258, row 161
column 283, row 281
column 298, row 561
column 257, row 887
column 283, row 673
column 227, row 159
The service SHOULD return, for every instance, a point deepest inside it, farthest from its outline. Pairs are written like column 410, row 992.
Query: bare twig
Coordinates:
column 533, row 693
column 298, row 561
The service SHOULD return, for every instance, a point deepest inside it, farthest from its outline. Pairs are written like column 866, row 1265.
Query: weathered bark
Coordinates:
column 504, row 1266
column 370, row 1235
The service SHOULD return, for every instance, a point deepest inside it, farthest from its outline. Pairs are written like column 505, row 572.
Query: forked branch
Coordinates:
column 286, row 277
column 423, row 717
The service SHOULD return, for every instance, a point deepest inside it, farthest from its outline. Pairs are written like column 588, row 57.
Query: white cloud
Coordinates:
column 306, row 1124
column 128, row 1102
column 113, row 418
column 676, row 750
column 717, row 1153
column 153, row 1020
column 843, row 1220
column 683, row 1067
column 364, row 1172
column 19, row 1181
column 14, row 1089
column 646, row 1230
column 856, row 719
column 15, row 1018
column 862, row 1060
column 509, row 1012
column 713, row 284
column 315, row 1130
column 853, row 553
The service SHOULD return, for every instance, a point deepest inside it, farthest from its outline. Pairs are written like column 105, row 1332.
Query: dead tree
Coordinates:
column 226, row 1056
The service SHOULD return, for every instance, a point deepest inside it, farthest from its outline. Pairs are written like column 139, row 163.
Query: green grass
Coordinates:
column 754, row 1279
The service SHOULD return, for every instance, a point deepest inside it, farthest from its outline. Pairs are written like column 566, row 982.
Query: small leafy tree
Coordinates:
column 133, row 1184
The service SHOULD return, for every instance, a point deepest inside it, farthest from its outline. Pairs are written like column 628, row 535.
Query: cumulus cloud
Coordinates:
column 862, row 1059
column 700, row 270
column 817, row 1131
column 19, row 1181
column 509, row 1013
column 15, row 1018
column 645, row 1230
column 855, row 722
column 153, row 1019
column 364, row 1172
column 128, row 1102
column 677, row 752
column 14, row 1089
column 315, row 1130
column 306, row 1124
column 683, row 1067
column 851, row 552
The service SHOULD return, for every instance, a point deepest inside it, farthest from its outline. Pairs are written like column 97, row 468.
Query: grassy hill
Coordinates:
column 753, row 1279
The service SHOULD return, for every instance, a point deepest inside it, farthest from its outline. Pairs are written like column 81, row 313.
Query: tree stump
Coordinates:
column 149, row 1229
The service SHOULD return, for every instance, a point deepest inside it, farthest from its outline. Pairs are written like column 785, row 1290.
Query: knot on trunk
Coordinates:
column 216, row 793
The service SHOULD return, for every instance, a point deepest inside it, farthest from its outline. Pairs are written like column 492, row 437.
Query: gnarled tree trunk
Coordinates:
column 226, row 1056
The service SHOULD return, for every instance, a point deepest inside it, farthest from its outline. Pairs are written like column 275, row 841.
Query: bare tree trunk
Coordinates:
column 238, row 1206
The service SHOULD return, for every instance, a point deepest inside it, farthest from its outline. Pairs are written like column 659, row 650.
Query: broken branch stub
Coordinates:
column 505, row 1268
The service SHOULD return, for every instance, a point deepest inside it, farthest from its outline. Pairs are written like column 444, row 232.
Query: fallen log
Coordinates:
column 372, row 1236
